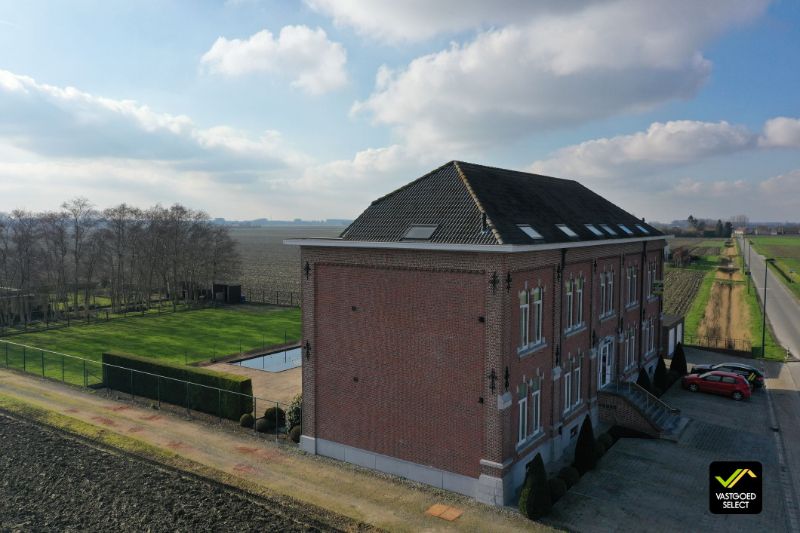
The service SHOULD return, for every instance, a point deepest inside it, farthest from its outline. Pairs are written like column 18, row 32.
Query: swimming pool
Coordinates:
column 274, row 362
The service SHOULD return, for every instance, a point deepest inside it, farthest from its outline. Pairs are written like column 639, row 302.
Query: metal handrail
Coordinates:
column 649, row 398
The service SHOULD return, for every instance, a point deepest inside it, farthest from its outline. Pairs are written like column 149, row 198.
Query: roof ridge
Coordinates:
column 465, row 180
column 515, row 171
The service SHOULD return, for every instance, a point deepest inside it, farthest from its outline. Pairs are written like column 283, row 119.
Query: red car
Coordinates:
column 718, row 382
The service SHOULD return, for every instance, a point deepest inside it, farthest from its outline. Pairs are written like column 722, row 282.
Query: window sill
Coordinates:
column 573, row 409
column 531, row 349
column 607, row 316
column 574, row 330
column 652, row 299
column 532, row 439
column 631, row 307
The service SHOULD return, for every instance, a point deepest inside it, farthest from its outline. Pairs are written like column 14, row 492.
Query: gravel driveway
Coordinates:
column 53, row 482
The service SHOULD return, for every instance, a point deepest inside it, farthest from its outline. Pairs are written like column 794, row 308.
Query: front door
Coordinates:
column 605, row 365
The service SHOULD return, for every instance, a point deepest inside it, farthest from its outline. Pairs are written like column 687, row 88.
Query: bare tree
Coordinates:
column 83, row 217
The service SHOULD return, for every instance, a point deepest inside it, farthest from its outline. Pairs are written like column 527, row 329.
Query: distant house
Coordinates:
column 468, row 320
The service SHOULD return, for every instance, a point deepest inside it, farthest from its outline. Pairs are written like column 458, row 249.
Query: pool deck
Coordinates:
column 275, row 386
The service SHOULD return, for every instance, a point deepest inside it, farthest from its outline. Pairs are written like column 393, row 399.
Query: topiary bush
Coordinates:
column 294, row 414
column 557, row 488
column 570, row 475
column 295, row 432
column 599, row 449
column 275, row 417
column 537, row 502
column 585, row 458
column 606, row 439
column 262, row 426
column 644, row 380
column 660, row 379
column 246, row 420
column 678, row 363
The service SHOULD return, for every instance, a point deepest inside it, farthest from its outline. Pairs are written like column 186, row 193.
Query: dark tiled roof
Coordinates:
column 456, row 196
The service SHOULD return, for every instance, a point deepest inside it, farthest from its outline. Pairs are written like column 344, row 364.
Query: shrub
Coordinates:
column 262, row 426
column 275, row 417
column 246, row 421
column 534, row 500
column 570, row 475
column 599, row 449
column 678, row 363
column 644, row 380
column 660, row 378
column 117, row 376
column 672, row 377
column 294, row 415
column 585, row 458
column 295, row 432
column 557, row 488
column 606, row 439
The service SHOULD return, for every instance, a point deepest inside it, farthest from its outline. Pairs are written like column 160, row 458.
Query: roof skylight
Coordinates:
column 608, row 229
column 624, row 228
column 593, row 229
column 567, row 230
column 529, row 231
column 420, row 231
column 642, row 229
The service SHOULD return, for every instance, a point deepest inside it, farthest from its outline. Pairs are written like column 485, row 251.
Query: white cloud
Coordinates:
column 414, row 20
column 64, row 122
column 781, row 132
column 662, row 145
column 553, row 70
column 307, row 57
column 786, row 186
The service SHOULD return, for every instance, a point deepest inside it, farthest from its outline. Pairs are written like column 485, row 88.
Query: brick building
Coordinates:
column 466, row 321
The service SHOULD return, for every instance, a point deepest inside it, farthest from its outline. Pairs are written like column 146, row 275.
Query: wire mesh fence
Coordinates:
column 278, row 297
column 724, row 343
column 269, row 417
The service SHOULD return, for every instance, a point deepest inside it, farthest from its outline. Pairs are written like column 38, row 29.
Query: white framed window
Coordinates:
column 632, row 347
column 594, row 230
column 567, row 231
column 646, row 334
column 536, row 411
column 610, row 300
column 652, row 334
column 651, row 277
column 576, row 386
column 524, row 318
column 567, row 391
column 603, row 304
column 537, row 315
column 570, row 307
column 530, row 232
column 579, row 297
column 632, row 283
column 523, row 417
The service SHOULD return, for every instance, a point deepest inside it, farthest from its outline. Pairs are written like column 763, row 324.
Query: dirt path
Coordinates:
column 727, row 315
column 260, row 466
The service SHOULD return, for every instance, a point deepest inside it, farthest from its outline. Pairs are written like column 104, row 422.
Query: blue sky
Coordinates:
column 258, row 108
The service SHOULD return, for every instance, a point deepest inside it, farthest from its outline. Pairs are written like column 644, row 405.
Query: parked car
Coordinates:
column 718, row 382
column 751, row 373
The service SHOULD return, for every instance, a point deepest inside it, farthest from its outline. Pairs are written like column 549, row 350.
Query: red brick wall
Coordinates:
column 415, row 345
column 617, row 411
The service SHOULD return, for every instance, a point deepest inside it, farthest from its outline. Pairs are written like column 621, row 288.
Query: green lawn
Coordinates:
column 785, row 249
column 186, row 336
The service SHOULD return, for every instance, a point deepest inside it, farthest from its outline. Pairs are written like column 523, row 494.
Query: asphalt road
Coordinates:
column 783, row 309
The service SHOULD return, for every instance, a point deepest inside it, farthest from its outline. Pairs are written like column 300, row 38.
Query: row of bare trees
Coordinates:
column 54, row 264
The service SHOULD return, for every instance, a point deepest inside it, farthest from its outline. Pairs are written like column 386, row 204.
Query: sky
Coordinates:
column 313, row 108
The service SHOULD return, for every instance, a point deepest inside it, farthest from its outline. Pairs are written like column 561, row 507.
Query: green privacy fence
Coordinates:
column 216, row 393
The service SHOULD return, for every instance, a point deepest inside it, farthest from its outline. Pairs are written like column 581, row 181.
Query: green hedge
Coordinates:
column 203, row 399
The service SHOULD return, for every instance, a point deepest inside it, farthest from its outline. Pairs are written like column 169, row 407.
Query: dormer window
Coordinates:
column 593, row 229
column 625, row 228
column 530, row 232
column 642, row 229
column 421, row 232
column 567, row 231
column 608, row 230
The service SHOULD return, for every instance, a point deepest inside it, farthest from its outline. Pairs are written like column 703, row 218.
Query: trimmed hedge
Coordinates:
column 558, row 488
column 678, row 363
column 570, row 475
column 231, row 406
column 585, row 455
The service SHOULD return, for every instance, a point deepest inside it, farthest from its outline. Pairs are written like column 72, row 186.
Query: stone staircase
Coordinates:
column 629, row 405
